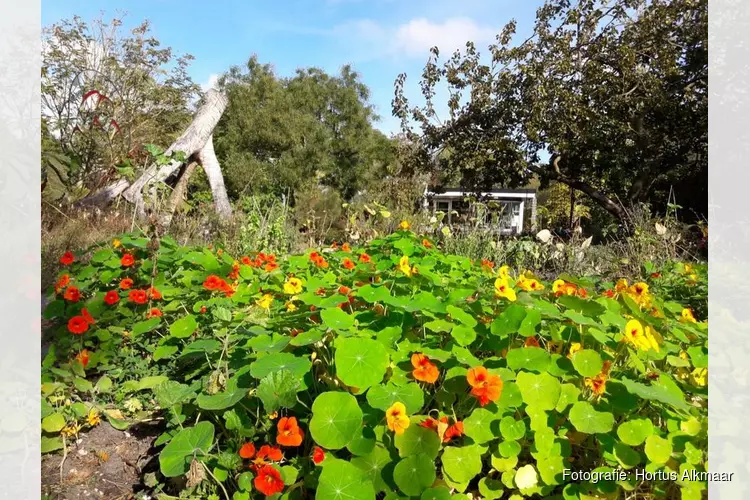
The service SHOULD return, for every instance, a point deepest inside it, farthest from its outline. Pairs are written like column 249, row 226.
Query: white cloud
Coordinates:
column 213, row 79
column 418, row 36
column 412, row 39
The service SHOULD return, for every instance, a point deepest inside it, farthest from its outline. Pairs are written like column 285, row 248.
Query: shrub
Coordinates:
column 390, row 369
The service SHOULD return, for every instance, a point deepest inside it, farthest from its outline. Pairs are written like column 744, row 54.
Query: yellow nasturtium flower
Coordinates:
column 529, row 284
column 503, row 290
column 116, row 243
column 699, row 377
column 293, row 286
column 93, row 418
column 503, row 272
column 290, row 306
column 404, row 225
column 643, row 339
column 265, row 301
column 687, row 316
column 403, row 266
column 397, row 419
column 574, row 348
column 621, row 286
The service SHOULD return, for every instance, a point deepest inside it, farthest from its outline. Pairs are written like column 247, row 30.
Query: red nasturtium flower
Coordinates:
column 531, row 342
column 203, row 309
column 484, row 386
column 270, row 267
column 111, row 297
column 72, row 294
column 126, row 284
column 62, row 283
column 154, row 313
column 268, row 481
column 424, row 369
column 83, row 357
column 213, row 282
column 290, row 433
column 364, row 258
column 77, row 325
column 67, row 259
column 271, row 453
column 441, row 426
column 138, row 296
column 318, row 455
column 246, row 260
column 348, row 264
column 86, row 316
column 127, row 260
column 247, row 450
column 344, row 290
column 154, row 294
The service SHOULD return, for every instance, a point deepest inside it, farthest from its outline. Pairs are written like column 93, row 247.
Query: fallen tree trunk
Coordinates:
column 192, row 142
column 178, row 194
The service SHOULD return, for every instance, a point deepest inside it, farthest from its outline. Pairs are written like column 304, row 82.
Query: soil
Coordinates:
column 104, row 463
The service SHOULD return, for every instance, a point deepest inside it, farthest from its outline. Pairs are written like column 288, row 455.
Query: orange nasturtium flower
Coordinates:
column 62, row 283
column 444, row 431
column 126, row 284
column 348, row 264
column 346, row 248
column 488, row 264
column 247, row 450
column 83, row 357
column 640, row 338
column 154, row 294
column 597, row 384
column 154, row 313
column 503, row 289
column 560, row 287
column 484, row 386
column 86, row 316
column 77, row 325
column 290, row 433
column 127, row 260
column 426, row 243
column 424, row 369
column 213, row 282
column 293, row 286
column 318, row 455
column 72, row 294
column 138, row 296
column 67, row 259
column 271, row 453
column 364, row 258
column 397, row 419
column 268, row 481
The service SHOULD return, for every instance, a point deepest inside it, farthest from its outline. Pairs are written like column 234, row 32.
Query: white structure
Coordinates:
column 512, row 203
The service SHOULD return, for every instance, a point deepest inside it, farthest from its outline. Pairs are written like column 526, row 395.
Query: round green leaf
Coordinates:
column 526, row 477
column 588, row 362
column 512, row 429
column 175, row 458
column 542, row 391
column 341, row 480
column 463, row 335
column 658, row 450
column 533, row 359
column 360, row 362
column 417, row 439
column 586, row 419
column 437, row 493
column 509, row 449
column 634, row 432
column 490, row 489
column 373, row 466
column 278, row 361
column 336, row 418
column 478, row 425
column 336, row 319
column 414, row 474
column 462, row 464
column 183, row 327
column 383, row 396
column 627, row 456
column 278, row 390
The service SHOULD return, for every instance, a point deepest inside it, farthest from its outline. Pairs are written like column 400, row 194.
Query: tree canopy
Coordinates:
column 614, row 91
column 280, row 134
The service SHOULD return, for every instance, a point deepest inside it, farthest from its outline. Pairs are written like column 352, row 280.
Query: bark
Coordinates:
column 215, row 179
column 178, row 194
column 105, row 196
column 190, row 142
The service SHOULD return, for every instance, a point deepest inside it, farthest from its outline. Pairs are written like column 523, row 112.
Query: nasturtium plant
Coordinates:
column 390, row 369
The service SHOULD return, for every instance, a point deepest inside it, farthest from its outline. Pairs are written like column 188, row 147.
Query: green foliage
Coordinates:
column 623, row 112
column 240, row 347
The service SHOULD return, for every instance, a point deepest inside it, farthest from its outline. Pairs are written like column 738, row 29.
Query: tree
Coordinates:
column 615, row 91
column 105, row 94
column 279, row 135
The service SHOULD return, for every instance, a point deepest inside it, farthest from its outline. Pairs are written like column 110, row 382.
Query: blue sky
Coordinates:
column 380, row 38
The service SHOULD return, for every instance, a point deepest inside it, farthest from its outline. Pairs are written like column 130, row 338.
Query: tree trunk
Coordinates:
column 178, row 194
column 215, row 179
column 190, row 142
column 105, row 196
